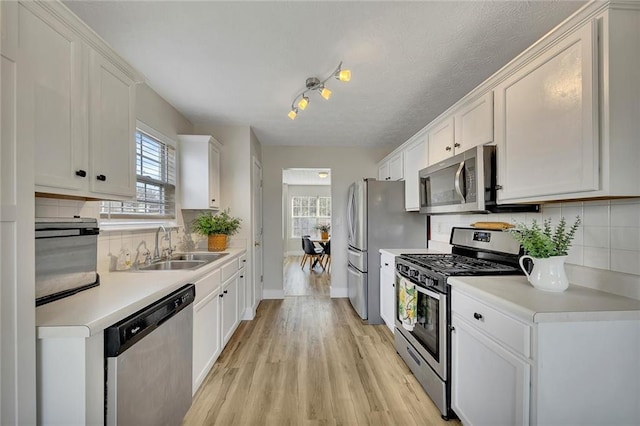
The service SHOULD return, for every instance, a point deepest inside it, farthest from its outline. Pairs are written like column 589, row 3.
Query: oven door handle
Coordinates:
column 457, row 184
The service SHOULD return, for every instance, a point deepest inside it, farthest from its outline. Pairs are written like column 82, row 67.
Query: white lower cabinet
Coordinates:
column 216, row 315
column 387, row 288
column 229, row 298
column 490, row 385
column 207, row 341
column 508, row 371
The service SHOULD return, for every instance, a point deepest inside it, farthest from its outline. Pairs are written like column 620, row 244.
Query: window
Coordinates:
column 155, row 182
column 307, row 213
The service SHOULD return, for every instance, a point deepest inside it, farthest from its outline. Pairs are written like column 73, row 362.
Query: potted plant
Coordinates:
column 324, row 231
column 547, row 249
column 217, row 228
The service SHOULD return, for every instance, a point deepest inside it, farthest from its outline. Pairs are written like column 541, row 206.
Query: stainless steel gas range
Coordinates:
column 425, row 343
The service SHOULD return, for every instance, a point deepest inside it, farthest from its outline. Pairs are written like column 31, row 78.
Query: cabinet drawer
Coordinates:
column 513, row 333
column 228, row 270
column 242, row 261
column 206, row 285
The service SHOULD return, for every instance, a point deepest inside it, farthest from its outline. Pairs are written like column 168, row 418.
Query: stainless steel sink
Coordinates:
column 172, row 265
column 182, row 261
column 207, row 257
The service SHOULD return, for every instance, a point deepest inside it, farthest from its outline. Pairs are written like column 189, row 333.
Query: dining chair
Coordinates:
column 313, row 253
column 304, row 254
column 326, row 255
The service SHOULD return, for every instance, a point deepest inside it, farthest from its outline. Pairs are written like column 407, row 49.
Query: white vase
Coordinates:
column 547, row 274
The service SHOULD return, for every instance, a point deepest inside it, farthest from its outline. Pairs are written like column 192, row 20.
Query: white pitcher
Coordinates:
column 548, row 273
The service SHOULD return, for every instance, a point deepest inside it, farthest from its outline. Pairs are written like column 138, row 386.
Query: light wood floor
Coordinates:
column 310, row 361
column 300, row 281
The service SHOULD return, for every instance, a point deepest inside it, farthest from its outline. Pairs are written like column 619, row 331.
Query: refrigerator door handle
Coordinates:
column 350, row 214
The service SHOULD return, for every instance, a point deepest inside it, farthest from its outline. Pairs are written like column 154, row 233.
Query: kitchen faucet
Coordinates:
column 156, row 251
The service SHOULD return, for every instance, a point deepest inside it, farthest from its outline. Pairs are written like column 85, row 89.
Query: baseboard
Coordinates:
column 338, row 292
column 272, row 294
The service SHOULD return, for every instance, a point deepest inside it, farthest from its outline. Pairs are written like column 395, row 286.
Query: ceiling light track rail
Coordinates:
column 301, row 100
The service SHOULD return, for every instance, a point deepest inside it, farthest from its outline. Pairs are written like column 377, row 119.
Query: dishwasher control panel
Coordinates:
column 122, row 335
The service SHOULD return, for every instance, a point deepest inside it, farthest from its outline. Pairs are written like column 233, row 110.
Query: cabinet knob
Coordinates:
column 81, row 173
column 477, row 316
column 221, row 295
column 386, row 264
column 241, row 276
column 213, row 200
column 448, row 148
column 498, row 187
column 101, row 178
column 456, row 145
column 225, row 292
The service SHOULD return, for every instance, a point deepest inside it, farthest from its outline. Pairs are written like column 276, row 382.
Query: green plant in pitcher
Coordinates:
column 543, row 241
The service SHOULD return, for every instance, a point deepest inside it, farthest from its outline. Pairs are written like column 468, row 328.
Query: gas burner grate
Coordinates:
column 453, row 264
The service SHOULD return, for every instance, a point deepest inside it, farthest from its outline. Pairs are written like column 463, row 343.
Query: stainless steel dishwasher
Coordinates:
column 149, row 363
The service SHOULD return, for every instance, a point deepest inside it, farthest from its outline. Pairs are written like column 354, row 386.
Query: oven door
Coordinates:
column 429, row 335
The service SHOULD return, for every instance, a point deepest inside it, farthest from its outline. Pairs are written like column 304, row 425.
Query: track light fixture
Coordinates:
column 301, row 101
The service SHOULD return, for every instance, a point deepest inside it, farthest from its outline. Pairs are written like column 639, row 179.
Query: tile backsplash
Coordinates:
column 609, row 238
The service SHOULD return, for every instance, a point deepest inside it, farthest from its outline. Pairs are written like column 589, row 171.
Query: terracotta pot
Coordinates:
column 324, row 235
column 217, row 242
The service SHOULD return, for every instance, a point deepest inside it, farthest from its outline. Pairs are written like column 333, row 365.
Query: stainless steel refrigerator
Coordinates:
column 376, row 219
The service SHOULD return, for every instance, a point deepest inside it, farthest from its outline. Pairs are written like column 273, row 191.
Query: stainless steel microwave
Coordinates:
column 465, row 183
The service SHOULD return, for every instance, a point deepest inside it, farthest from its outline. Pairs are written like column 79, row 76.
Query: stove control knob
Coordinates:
column 413, row 273
column 423, row 279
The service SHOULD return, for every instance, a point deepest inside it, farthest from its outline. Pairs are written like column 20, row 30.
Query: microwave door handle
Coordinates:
column 457, row 183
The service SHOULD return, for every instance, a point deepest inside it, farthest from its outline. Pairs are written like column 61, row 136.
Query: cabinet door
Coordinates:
column 474, row 123
column 229, row 308
column 415, row 159
column 490, row 385
column 441, row 141
column 242, row 293
column 396, row 167
column 112, row 129
column 547, row 122
column 52, row 90
column 207, row 342
column 387, row 289
column 383, row 171
column 214, row 176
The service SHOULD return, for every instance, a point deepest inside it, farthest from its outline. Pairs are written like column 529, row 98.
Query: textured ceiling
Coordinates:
column 241, row 63
column 305, row 177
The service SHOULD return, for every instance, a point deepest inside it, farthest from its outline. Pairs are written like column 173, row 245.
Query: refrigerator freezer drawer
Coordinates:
column 357, row 284
column 358, row 259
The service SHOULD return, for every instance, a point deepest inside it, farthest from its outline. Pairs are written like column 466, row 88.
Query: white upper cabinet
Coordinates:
column 474, row 123
column 547, row 121
column 392, row 168
column 112, row 129
column 441, row 140
column 54, row 98
column 77, row 104
column 199, row 172
column 415, row 159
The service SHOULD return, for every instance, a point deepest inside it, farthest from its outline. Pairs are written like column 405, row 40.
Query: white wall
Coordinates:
column 347, row 165
column 293, row 245
column 606, row 250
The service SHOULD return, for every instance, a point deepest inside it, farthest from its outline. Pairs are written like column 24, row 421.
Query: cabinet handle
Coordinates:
column 81, row 173
column 477, row 316
column 448, row 148
column 225, row 292
column 101, row 178
column 498, row 187
column 456, row 145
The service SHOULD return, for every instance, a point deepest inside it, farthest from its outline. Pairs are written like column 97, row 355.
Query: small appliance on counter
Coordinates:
column 66, row 257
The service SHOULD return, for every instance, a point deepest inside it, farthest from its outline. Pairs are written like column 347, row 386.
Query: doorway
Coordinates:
column 306, row 212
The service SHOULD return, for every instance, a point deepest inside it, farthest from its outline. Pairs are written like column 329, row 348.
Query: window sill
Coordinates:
column 110, row 226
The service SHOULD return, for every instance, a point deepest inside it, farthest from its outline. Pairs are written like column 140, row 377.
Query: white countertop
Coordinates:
column 398, row 252
column 516, row 296
column 119, row 295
